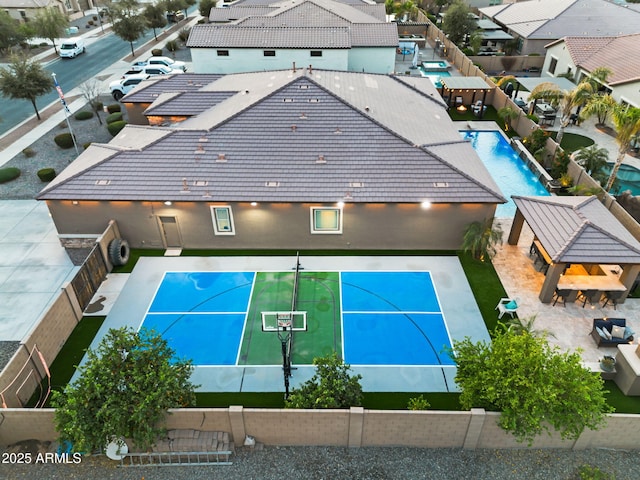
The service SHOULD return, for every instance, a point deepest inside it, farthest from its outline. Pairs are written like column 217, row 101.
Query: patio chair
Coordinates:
column 478, row 108
column 507, row 305
column 612, row 297
column 561, row 294
column 591, row 296
column 459, row 101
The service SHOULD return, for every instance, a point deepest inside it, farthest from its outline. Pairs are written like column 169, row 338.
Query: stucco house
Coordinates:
column 579, row 56
column 536, row 23
column 270, row 36
column 25, row 10
column 280, row 160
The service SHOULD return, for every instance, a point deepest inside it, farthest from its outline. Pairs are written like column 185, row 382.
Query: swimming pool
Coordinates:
column 434, row 76
column 435, row 66
column 627, row 178
column 509, row 171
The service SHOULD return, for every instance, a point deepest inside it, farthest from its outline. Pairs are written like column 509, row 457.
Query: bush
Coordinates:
column 156, row 52
column 28, row 152
column 9, row 173
column 114, row 107
column 183, row 34
column 114, row 117
column 95, row 18
column 46, row 174
column 86, row 145
column 83, row 115
column 64, row 140
column 115, row 127
column 99, row 106
column 90, row 22
column 172, row 46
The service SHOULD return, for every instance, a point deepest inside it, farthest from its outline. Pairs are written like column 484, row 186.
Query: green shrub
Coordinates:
column 90, row 22
column 43, row 44
column 534, row 118
column 86, row 145
column 172, row 46
column 156, row 52
column 46, row 174
column 95, row 18
column 64, row 140
column 28, row 152
column 418, row 403
column 587, row 472
column 83, row 115
column 183, row 34
column 114, row 117
column 115, row 127
column 9, row 173
column 114, row 107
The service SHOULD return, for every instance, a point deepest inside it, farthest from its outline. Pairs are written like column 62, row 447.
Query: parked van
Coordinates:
column 72, row 47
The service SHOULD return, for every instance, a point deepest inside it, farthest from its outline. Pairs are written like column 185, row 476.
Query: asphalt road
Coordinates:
column 72, row 72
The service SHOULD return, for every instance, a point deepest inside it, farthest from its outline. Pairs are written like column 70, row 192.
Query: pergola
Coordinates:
column 458, row 86
column 578, row 231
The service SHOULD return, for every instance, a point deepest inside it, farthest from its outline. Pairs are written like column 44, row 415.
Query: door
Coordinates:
column 170, row 232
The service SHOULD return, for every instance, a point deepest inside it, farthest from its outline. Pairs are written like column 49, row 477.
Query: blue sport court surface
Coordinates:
column 398, row 316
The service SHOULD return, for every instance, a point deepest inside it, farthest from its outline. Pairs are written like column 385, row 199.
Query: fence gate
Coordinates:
column 91, row 274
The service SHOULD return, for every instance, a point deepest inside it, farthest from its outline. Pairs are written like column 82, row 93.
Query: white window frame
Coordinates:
column 217, row 222
column 334, row 231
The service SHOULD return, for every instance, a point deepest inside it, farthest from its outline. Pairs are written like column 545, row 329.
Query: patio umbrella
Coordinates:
column 414, row 61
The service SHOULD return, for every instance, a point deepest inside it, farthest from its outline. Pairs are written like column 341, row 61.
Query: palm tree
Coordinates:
column 507, row 114
column 626, row 120
column 480, row 239
column 594, row 160
column 601, row 105
column 567, row 100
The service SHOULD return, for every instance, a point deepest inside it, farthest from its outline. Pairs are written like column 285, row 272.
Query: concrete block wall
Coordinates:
column 18, row 424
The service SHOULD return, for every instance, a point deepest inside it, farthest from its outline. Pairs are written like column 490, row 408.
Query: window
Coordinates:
column 316, row 53
column 222, row 53
column 222, row 220
column 326, row 220
column 269, row 53
column 552, row 65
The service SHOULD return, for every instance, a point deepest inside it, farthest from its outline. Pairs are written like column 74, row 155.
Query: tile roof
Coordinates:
column 298, row 138
column 186, row 103
column 297, row 24
column 578, row 230
column 620, row 54
column 552, row 19
column 149, row 90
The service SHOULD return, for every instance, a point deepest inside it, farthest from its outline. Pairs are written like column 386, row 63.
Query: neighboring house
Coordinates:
column 280, row 160
column 25, row 10
column 323, row 33
column 536, row 23
column 579, row 56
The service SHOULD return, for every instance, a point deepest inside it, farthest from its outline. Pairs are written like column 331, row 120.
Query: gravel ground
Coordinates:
column 372, row 463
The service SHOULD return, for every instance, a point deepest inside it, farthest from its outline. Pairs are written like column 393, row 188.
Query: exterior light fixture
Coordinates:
column 168, row 203
column 426, row 204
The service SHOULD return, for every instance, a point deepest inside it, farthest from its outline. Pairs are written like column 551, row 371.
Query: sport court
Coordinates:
column 391, row 318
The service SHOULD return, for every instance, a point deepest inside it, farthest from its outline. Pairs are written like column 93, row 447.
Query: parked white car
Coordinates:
column 151, row 70
column 166, row 61
column 121, row 87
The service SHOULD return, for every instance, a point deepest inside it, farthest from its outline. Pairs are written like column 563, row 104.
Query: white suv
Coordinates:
column 166, row 61
column 121, row 87
column 151, row 70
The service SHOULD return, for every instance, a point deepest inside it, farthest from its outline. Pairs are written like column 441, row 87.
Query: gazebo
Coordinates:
column 461, row 87
column 584, row 247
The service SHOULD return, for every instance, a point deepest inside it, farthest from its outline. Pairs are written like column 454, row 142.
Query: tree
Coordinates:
column 567, row 100
column 508, row 114
column 128, row 24
column 25, row 80
column 50, row 24
column 330, row 387
column 480, row 239
column 206, row 6
column 459, row 22
column 594, row 161
column 533, row 385
column 626, row 120
column 600, row 105
column 10, row 32
column 155, row 17
column 91, row 92
column 124, row 390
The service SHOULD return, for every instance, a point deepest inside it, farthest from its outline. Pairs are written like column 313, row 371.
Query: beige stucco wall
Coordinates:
column 276, row 226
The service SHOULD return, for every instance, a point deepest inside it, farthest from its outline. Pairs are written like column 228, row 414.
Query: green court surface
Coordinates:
column 318, row 295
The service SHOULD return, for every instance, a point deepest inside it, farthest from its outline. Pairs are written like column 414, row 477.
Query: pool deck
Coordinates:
column 462, row 317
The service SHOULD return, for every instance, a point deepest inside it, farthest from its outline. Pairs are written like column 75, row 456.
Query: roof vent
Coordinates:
column 321, row 159
column 103, row 182
column 200, row 183
column 185, row 186
column 294, row 128
column 271, row 184
column 287, row 100
column 206, row 194
column 199, row 150
column 356, row 184
column 366, row 109
column 440, row 184
column 221, row 158
column 203, row 139
column 313, row 100
column 338, row 131
column 304, row 87
column 303, row 116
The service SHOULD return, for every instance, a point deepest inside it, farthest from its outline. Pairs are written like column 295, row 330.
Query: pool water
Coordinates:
column 434, row 76
column 628, row 178
column 508, row 170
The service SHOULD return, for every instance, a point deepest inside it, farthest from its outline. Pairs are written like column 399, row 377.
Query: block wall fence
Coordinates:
column 356, row 427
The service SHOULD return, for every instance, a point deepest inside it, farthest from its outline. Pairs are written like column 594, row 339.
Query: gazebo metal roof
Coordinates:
column 532, row 82
column 465, row 83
